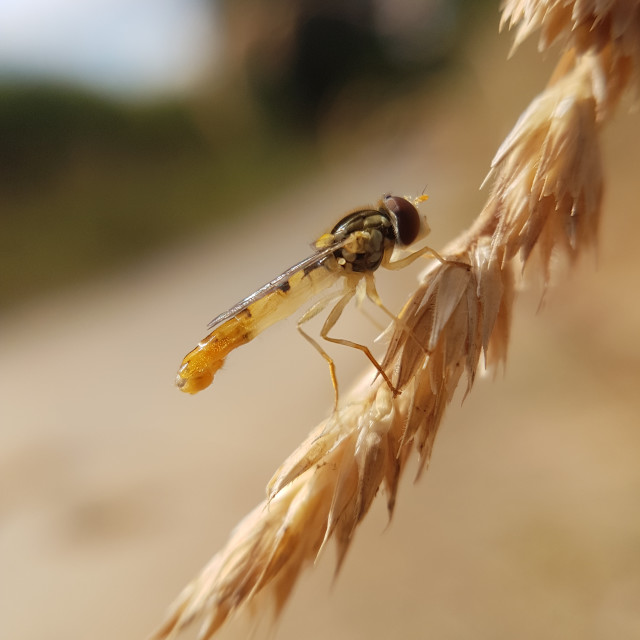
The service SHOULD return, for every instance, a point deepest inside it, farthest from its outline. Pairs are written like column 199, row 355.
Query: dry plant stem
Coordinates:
column 545, row 197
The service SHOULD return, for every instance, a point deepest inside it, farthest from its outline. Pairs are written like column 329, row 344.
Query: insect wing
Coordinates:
column 313, row 261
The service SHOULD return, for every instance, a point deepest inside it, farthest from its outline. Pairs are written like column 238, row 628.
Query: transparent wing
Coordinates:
column 314, row 261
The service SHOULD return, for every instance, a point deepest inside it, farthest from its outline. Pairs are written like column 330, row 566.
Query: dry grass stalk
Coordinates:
column 545, row 197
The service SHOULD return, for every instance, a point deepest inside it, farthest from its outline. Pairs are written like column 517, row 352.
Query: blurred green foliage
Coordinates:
column 86, row 182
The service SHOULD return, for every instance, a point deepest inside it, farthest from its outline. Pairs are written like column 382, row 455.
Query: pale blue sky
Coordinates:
column 124, row 46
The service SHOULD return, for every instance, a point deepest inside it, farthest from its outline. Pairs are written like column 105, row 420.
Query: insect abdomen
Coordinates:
column 200, row 365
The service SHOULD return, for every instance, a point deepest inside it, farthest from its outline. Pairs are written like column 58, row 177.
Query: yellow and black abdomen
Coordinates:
column 200, row 365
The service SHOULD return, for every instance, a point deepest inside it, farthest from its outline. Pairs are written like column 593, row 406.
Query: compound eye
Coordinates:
column 406, row 216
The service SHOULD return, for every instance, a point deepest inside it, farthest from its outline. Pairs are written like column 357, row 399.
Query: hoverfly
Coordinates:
column 361, row 242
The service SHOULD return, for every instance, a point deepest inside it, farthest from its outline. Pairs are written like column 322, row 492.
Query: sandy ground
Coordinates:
column 116, row 488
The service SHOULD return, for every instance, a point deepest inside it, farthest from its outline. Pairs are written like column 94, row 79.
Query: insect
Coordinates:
column 358, row 244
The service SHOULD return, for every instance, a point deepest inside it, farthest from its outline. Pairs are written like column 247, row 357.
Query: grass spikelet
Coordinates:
column 548, row 178
column 582, row 24
column 545, row 197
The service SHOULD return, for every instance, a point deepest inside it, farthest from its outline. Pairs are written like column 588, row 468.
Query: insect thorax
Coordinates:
column 366, row 234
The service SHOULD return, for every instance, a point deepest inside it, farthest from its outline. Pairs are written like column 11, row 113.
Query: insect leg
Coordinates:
column 312, row 313
column 330, row 322
column 362, row 293
column 406, row 261
column 372, row 294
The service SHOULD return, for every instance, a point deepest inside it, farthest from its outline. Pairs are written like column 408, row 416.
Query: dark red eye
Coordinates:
column 407, row 218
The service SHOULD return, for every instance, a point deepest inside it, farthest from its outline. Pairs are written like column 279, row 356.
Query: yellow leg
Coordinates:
column 330, row 322
column 406, row 261
column 372, row 294
column 312, row 313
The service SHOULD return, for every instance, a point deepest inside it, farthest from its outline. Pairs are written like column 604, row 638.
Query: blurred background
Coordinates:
column 161, row 160
column 125, row 125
